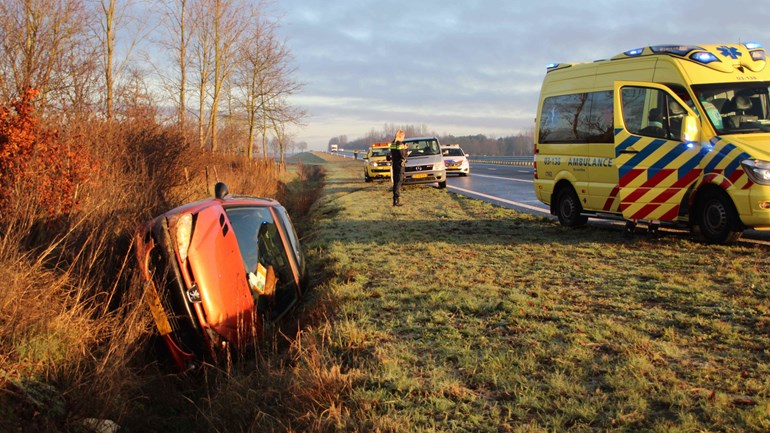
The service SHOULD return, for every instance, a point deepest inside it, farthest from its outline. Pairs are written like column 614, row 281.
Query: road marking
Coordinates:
column 511, row 202
column 504, row 178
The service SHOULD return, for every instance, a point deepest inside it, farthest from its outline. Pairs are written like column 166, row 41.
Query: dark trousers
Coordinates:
column 398, row 181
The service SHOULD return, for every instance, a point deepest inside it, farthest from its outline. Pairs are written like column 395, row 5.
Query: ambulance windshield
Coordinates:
column 736, row 108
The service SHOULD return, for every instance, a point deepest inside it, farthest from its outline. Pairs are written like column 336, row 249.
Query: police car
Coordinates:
column 377, row 165
column 455, row 159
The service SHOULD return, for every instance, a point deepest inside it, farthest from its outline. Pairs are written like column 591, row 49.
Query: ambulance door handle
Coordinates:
column 629, row 151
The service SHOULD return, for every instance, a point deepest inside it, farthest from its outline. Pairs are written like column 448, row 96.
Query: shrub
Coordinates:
column 35, row 164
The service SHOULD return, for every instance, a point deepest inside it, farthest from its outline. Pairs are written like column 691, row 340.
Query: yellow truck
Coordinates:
column 670, row 133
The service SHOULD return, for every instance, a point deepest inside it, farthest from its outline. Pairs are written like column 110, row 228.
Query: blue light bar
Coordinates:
column 752, row 45
column 704, row 57
column 680, row 50
column 635, row 52
column 551, row 65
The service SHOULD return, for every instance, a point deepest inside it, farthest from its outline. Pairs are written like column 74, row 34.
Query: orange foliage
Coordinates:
column 34, row 164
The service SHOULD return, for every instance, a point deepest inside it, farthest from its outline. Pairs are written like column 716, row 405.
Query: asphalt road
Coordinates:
column 504, row 185
column 512, row 187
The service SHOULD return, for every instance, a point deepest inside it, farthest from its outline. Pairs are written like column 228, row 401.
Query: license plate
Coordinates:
column 419, row 176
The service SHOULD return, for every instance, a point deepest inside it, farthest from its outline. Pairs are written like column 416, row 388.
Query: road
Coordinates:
column 512, row 187
column 504, row 185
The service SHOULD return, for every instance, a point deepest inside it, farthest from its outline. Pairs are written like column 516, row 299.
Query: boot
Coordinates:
column 396, row 202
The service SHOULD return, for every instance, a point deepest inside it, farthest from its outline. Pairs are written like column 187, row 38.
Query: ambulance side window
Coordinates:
column 577, row 118
column 651, row 112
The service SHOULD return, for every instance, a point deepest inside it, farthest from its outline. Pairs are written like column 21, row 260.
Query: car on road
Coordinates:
column 216, row 271
column 425, row 164
column 377, row 165
column 455, row 160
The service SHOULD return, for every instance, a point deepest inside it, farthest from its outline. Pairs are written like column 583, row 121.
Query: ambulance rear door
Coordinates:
column 655, row 167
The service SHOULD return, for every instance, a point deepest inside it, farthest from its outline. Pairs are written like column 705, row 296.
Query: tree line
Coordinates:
column 219, row 71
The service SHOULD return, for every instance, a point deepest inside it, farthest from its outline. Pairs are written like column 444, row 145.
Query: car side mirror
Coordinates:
column 690, row 130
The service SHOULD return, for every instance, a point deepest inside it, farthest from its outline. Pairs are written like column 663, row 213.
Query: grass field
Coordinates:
column 449, row 314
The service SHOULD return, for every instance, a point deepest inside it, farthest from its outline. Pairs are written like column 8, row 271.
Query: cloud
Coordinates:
column 474, row 66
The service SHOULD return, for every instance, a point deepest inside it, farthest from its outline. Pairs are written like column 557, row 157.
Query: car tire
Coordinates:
column 442, row 185
column 367, row 178
column 717, row 218
column 569, row 209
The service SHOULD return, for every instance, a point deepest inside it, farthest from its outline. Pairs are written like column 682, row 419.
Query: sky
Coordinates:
column 475, row 66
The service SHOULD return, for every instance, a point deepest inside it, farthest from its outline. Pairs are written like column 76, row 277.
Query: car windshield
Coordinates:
column 453, row 151
column 736, row 107
column 423, row 147
column 380, row 151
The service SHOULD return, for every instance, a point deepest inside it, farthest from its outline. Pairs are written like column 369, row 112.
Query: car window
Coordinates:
column 288, row 227
column 453, row 152
column 424, row 147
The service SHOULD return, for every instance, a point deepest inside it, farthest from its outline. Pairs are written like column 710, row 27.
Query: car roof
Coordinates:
column 228, row 201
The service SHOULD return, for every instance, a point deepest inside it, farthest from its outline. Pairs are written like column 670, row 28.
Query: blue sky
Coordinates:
column 474, row 66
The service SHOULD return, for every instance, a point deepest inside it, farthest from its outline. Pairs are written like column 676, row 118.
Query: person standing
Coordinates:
column 398, row 155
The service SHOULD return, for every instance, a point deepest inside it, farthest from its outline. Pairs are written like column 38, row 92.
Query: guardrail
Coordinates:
column 502, row 160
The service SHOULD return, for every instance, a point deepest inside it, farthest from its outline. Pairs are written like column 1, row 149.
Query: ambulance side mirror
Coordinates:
column 690, row 130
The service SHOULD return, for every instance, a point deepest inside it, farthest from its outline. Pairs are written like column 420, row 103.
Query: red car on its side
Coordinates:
column 215, row 270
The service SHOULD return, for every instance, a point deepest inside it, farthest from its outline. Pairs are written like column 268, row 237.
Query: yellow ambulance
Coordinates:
column 670, row 133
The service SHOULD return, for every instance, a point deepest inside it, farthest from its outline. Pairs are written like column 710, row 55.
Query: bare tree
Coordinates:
column 203, row 48
column 178, row 34
column 38, row 39
column 264, row 74
column 108, row 46
column 229, row 23
column 113, row 17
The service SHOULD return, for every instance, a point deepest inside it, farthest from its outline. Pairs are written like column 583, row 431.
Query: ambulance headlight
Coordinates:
column 757, row 170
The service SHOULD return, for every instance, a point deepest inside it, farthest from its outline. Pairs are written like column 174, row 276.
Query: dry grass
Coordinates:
column 73, row 329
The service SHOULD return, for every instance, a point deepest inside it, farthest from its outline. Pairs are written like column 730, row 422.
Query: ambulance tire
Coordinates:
column 717, row 218
column 568, row 208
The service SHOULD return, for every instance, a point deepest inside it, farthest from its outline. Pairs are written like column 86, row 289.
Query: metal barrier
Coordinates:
column 502, row 160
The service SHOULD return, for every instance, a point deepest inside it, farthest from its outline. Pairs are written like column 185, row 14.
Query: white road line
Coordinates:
column 503, row 178
column 491, row 197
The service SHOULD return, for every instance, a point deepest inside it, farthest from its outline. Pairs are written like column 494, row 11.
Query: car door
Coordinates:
column 655, row 167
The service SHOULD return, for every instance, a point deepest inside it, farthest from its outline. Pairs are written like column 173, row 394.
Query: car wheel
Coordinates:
column 442, row 185
column 717, row 218
column 568, row 209
column 367, row 178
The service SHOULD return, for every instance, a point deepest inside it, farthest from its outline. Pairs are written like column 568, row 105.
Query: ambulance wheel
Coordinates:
column 367, row 178
column 717, row 218
column 568, row 209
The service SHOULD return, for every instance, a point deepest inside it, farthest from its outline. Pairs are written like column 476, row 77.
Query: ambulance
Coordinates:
column 675, row 134
column 376, row 164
